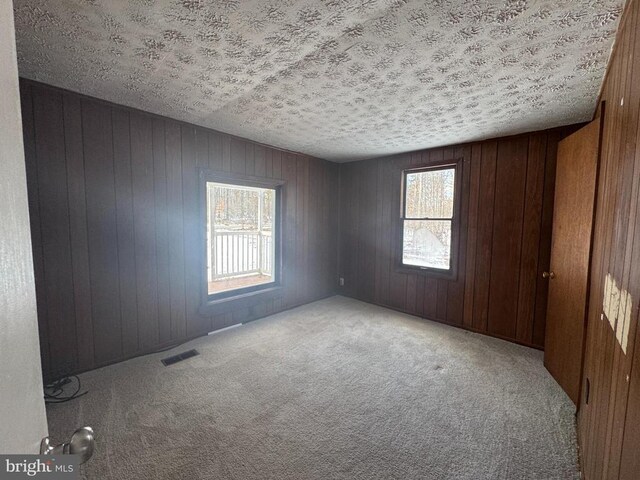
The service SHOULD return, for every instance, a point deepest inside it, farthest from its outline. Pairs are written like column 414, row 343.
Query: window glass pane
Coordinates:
column 427, row 243
column 240, row 246
column 429, row 194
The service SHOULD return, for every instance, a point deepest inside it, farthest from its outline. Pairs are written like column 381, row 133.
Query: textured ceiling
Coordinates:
column 339, row 79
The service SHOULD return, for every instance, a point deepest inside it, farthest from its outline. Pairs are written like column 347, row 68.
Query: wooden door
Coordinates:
column 570, row 254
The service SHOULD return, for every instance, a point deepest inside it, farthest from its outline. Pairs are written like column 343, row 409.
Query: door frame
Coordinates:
column 590, row 264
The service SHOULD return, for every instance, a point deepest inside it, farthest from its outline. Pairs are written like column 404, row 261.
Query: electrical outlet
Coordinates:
column 341, row 282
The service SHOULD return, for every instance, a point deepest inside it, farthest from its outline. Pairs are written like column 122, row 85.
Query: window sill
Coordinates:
column 226, row 304
column 450, row 275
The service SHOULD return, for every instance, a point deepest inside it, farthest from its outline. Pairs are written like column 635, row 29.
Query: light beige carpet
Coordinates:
column 337, row 389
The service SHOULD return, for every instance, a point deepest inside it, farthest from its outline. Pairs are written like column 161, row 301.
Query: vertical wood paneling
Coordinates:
column 544, row 249
column 302, row 189
column 215, row 151
column 226, row 153
column 190, row 224
column 276, row 170
column 602, row 242
column 237, row 153
column 250, row 167
column 260, row 166
column 366, row 223
column 332, row 215
column 531, row 228
column 54, row 226
column 624, row 262
column 628, row 407
column 485, row 235
column 323, row 244
column 385, row 184
column 289, row 241
column 78, row 228
column 511, row 168
column 115, row 218
column 173, row 151
column 608, row 425
column 198, row 324
column 505, row 195
column 313, row 213
column 144, row 229
column 455, row 289
column 472, row 234
column 125, row 230
column 352, row 279
column 397, row 281
column 26, row 102
column 627, row 457
column 619, row 261
column 102, row 232
column 162, row 237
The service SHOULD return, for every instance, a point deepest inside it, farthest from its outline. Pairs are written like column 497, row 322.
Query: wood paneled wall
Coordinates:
column 506, row 213
column 114, row 211
column 609, row 424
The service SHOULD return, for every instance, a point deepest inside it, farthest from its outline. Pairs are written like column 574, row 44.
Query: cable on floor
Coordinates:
column 54, row 392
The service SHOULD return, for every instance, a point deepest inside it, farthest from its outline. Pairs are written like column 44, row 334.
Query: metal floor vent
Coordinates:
column 179, row 357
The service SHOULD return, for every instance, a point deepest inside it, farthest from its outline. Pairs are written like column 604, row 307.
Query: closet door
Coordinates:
column 568, row 273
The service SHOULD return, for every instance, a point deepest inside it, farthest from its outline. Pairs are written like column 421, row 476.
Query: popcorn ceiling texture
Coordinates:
column 338, row 79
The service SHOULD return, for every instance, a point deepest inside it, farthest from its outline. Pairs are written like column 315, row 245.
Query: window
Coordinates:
column 429, row 229
column 241, row 236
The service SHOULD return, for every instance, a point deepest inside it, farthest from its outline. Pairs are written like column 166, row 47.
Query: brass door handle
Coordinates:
column 550, row 275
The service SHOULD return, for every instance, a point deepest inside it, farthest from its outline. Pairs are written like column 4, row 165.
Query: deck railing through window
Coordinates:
column 238, row 253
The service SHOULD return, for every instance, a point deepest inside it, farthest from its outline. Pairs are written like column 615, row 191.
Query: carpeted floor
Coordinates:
column 337, row 389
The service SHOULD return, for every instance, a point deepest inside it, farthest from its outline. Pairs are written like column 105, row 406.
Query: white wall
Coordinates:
column 22, row 416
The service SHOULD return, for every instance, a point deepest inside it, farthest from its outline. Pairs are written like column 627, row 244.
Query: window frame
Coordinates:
column 452, row 272
column 219, row 302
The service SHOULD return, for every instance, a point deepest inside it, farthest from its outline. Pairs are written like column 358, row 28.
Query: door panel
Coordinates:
column 22, row 415
column 630, row 460
column 570, row 253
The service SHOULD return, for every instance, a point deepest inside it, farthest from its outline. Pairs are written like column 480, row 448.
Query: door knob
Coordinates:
column 82, row 443
column 550, row 275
